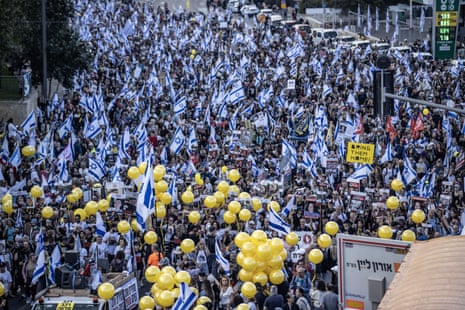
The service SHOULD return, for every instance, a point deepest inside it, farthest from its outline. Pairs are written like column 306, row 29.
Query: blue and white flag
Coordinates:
column 173, row 190
column 146, row 199
column 387, row 156
column 237, row 93
column 15, row 159
column 409, row 173
column 93, row 128
column 192, row 140
column 186, row 298
column 289, row 206
column 62, row 167
column 277, row 223
column 124, row 145
column 178, row 141
column 29, row 124
column 65, row 127
column 19, row 219
column 288, row 152
column 99, row 225
column 39, row 239
column 362, row 172
column 40, row 268
column 180, row 105
column 96, row 169
column 55, row 262
column 224, row 263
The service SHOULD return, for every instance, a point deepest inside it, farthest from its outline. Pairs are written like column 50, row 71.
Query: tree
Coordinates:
column 21, row 35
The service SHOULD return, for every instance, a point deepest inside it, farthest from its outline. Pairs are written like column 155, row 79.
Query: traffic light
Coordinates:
column 386, row 107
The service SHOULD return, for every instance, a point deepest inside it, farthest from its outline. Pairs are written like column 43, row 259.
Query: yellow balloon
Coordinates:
column 151, row 274
column 276, row 262
column 194, row 217
column 260, row 277
column 103, row 205
column 169, row 270
column 187, row 246
column 219, row 196
column 133, row 173
column 159, row 172
column 249, row 264
column 182, row 277
column 392, row 202
column 165, row 281
column 47, row 212
column 142, row 167
column 78, row 192
column 134, row 226
column 165, row 299
column 7, row 197
column 240, row 258
column 146, row 303
column 263, row 252
column 256, row 204
column 150, row 237
column 408, row 235
column 203, row 300
column 72, row 198
column 315, row 256
column 175, row 292
column 248, row 248
column 160, row 211
column 188, row 197
column 2, row 289
column 200, row 307
column 224, row 169
column 234, row 175
column 106, row 291
column 245, row 275
column 276, row 245
column 36, row 191
column 161, row 186
column 385, row 232
column 82, row 214
column 241, row 238
column 324, row 241
column 234, row 206
column 229, row 217
column 276, row 277
column 234, row 189
column 283, row 254
column 331, row 228
column 418, row 216
column 123, row 227
column 223, row 187
column 248, row 289
column 243, row 306
column 198, row 179
column 397, row 185
column 91, row 208
column 245, row 215
column 244, row 195
column 28, row 150
column 193, row 51
column 209, row 202
column 425, row 111
column 8, row 207
column 165, row 198
column 275, row 205
column 259, row 236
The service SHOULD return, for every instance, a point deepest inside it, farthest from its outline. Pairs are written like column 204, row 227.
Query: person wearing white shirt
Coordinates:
column 5, row 278
column 98, row 248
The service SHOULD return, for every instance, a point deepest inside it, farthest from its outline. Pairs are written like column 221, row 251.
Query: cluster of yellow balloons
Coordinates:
column 165, row 288
column 7, row 204
column 75, row 195
column 324, row 241
column 261, row 259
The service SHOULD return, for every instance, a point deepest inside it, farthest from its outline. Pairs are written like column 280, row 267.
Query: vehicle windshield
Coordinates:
column 330, row 34
column 58, row 306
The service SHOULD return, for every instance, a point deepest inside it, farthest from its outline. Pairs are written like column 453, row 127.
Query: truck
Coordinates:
column 126, row 296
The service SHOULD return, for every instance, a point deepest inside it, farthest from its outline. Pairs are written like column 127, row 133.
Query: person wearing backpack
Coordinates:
column 302, row 302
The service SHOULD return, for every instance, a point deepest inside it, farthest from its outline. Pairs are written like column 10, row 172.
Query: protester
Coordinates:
column 180, row 90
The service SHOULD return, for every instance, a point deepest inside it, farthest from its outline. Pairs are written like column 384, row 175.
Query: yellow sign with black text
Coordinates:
column 66, row 305
column 360, row 153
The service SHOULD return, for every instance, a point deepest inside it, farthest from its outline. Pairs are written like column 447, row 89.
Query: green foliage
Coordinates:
column 21, row 39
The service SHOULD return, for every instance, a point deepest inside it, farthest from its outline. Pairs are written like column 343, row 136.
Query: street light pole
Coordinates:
column 44, row 50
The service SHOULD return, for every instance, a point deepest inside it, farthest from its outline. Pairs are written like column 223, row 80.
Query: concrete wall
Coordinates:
column 19, row 109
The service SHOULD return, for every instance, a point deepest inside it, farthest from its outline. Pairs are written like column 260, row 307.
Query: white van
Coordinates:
column 320, row 34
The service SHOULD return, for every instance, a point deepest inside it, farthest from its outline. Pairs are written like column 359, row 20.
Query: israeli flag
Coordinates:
column 387, row 156
column 327, row 90
column 55, row 262
column 224, row 263
column 192, row 140
column 124, row 144
column 99, row 225
column 29, row 124
column 277, row 223
column 289, row 206
column 180, row 105
column 289, row 151
column 93, row 128
column 177, row 142
column 39, row 239
column 173, row 190
column 63, row 174
column 409, row 173
column 362, row 172
column 15, row 159
column 96, row 169
column 40, row 268
column 145, row 205
column 19, row 220
column 186, row 298
column 237, row 93
column 65, row 127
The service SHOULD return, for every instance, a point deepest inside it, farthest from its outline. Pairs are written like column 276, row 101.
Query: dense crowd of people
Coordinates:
column 197, row 92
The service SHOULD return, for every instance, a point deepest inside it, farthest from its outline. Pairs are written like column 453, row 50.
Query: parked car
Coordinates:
column 249, row 10
column 325, row 35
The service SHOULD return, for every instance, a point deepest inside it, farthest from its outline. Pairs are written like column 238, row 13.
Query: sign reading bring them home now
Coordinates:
column 360, row 153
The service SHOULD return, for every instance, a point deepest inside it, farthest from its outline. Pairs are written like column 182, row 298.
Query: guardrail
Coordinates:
column 10, row 87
